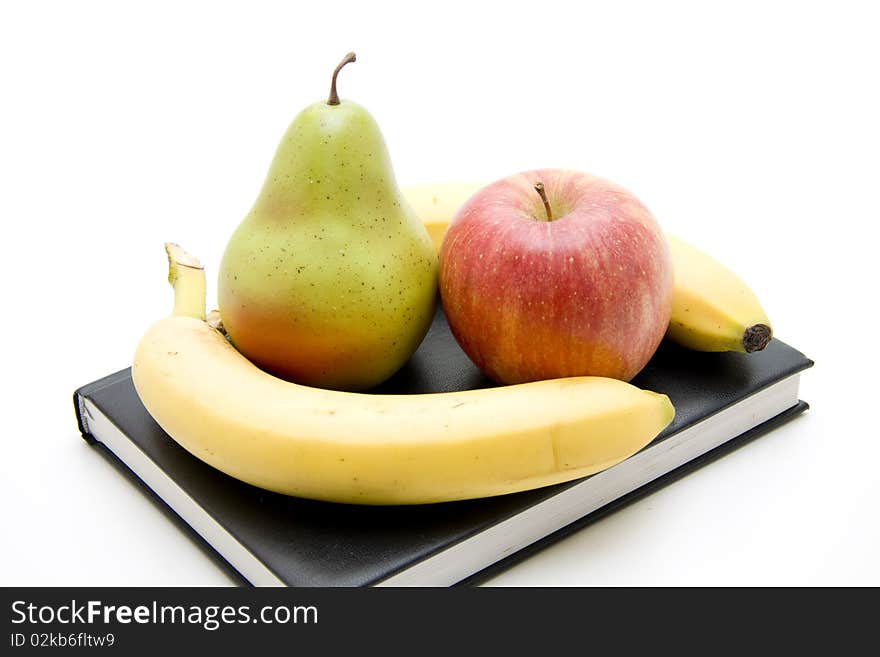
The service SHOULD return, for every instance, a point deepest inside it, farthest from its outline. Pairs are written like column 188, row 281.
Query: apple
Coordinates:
column 555, row 273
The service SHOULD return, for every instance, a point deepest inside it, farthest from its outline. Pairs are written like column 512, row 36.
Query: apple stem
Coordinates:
column 334, row 97
column 539, row 187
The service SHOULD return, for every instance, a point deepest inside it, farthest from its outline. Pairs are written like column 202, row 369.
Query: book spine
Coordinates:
column 81, row 394
column 82, row 414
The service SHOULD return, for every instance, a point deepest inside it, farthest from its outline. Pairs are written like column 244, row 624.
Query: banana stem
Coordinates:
column 187, row 277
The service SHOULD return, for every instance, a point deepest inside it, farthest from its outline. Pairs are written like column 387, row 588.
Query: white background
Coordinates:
column 750, row 128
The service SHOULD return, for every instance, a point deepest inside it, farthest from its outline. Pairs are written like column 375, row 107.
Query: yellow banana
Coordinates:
column 437, row 204
column 712, row 308
column 376, row 449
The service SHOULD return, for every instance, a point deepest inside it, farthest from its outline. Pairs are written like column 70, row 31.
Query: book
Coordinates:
column 722, row 400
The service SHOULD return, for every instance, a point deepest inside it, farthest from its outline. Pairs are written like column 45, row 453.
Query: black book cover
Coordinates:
column 311, row 543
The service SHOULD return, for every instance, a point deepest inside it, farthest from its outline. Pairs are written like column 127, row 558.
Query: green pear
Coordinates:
column 331, row 278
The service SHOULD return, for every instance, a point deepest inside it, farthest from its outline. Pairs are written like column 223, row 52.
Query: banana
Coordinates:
column 437, row 204
column 712, row 308
column 370, row 448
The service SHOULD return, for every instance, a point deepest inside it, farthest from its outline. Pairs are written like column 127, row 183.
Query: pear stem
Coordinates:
column 334, row 97
column 539, row 187
column 187, row 277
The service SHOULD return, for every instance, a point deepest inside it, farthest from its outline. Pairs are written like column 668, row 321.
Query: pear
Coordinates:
column 331, row 279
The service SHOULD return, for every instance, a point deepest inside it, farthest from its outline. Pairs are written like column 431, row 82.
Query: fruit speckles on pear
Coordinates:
column 341, row 276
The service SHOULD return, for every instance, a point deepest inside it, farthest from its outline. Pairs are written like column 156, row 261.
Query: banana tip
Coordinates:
column 756, row 337
column 666, row 406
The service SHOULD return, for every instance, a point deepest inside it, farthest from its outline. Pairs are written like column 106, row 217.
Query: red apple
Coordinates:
column 553, row 273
